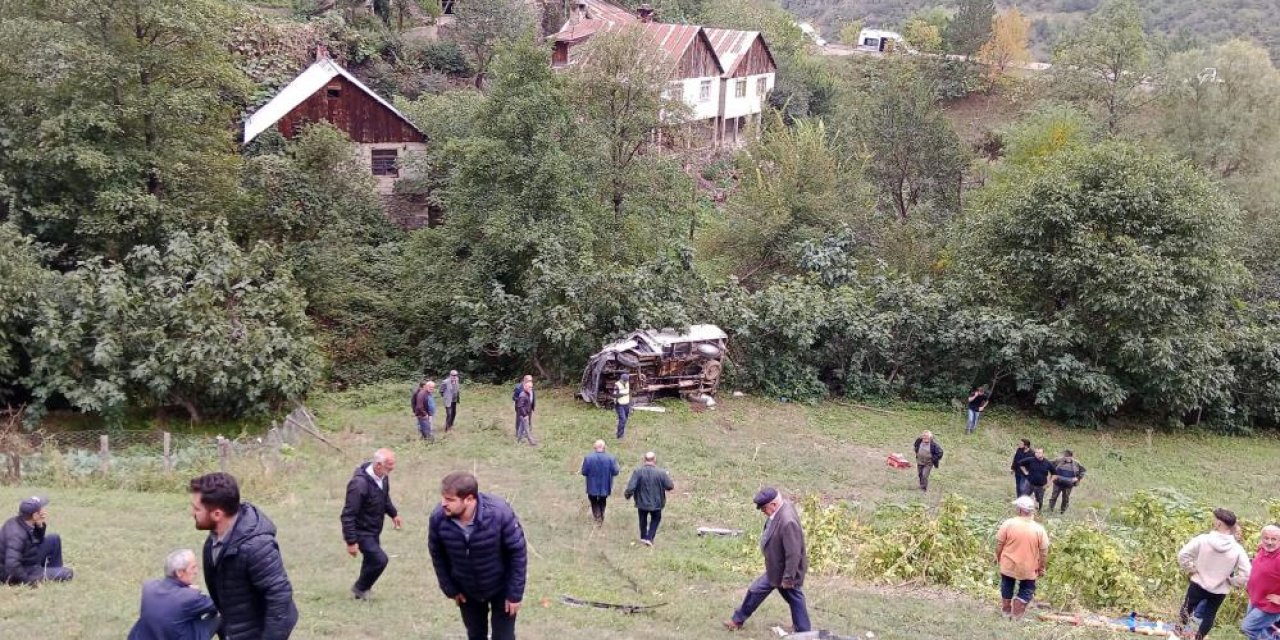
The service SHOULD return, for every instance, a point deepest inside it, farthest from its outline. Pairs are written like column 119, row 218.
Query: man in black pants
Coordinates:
column 1216, row 562
column 1020, row 455
column 1037, row 469
column 368, row 505
column 1067, row 473
column 478, row 550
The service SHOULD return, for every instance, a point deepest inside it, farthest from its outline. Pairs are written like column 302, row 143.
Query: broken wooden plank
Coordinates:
column 714, row 531
column 625, row 608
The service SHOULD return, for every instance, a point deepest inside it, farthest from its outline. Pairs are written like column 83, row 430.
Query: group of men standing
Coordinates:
column 1032, row 473
column 423, row 403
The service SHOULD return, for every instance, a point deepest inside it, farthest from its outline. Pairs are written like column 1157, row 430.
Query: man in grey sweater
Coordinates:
column 649, row 485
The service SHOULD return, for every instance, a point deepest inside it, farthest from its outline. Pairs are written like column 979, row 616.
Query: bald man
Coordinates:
column 368, row 504
column 599, row 468
column 649, row 486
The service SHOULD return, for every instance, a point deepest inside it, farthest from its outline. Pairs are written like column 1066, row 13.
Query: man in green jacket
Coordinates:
column 649, row 485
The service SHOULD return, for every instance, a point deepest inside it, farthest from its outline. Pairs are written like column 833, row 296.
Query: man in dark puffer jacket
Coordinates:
column 478, row 550
column 367, row 506
column 242, row 564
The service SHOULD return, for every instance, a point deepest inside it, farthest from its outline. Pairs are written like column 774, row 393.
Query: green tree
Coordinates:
column 971, row 26
column 914, row 155
column 199, row 323
column 1107, row 63
column 116, row 119
column 850, row 32
column 484, row 25
column 1128, row 258
column 24, row 282
column 923, row 36
column 621, row 97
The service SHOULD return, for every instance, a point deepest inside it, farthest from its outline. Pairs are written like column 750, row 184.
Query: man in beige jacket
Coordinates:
column 1216, row 562
column 1022, row 549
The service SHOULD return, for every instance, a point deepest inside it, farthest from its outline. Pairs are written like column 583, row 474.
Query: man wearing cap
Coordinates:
column 1215, row 562
column 622, row 402
column 785, row 562
column 31, row 554
column 1067, row 473
column 1022, row 549
column 450, row 395
column 649, row 486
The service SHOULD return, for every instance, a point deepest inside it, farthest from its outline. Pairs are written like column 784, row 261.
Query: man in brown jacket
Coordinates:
column 785, row 562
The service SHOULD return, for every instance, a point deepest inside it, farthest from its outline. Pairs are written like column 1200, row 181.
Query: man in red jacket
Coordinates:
column 1264, row 588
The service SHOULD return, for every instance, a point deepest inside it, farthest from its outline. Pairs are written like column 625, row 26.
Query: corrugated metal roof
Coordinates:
column 731, row 46
column 304, row 86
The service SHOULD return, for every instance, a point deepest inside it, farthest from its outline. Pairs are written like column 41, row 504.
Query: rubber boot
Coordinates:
column 1017, row 609
column 1006, row 607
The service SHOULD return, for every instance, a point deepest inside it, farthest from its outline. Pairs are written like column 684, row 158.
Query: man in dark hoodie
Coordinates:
column 367, row 506
column 1037, row 469
column 242, row 564
column 478, row 550
column 1020, row 455
column 31, row 554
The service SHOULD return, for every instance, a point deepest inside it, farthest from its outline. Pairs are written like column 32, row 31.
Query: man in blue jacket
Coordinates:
column 173, row 607
column 599, row 468
column 478, row 551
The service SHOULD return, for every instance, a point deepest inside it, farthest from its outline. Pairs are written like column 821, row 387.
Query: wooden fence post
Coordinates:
column 168, row 458
column 104, row 454
column 224, row 452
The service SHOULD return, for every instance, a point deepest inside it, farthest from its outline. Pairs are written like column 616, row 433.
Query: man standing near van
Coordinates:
column 622, row 402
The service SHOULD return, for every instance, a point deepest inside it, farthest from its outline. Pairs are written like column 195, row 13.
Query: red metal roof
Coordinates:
column 731, row 46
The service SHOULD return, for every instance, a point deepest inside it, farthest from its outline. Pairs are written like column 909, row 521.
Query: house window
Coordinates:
column 704, row 91
column 384, row 163
column 740, row 88
column 676, row 92
column 334, row 90
column 762, row 86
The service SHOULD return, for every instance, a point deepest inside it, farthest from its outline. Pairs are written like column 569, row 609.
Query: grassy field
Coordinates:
column 116, row 539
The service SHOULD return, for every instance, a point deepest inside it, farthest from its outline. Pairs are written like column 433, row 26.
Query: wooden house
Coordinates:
column 327, row 92
column 749, row 75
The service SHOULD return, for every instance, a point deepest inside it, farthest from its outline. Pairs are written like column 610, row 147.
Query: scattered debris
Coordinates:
column 713, row 531
column 897, row 461
column 653, row 408
column 738, row 394
column 625, row 608
column 1132, row 623
column 820, row 634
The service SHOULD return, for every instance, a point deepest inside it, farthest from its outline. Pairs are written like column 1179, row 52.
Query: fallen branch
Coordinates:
column 713, row 531
column 625, row 608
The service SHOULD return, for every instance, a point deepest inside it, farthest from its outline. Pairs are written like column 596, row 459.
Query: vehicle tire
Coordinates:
column 711, row 372
column 627, row 360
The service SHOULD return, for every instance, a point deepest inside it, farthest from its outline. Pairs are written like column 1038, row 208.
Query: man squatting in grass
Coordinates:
column 29, row 552
column 1215, row 562
column 928, row 455
column 1264, row 588
column 649, row 486
column 366, row 509
column 785, row 562
column 242, row 565
column 173, row 607
column 1022, row 549
column 478, row 551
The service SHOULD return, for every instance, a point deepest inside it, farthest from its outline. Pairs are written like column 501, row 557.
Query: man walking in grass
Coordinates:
column 367, row 507
column 1264, row 588
column 524, row 413
column 928, row 455
column 599, row 468
column 976, row 404
column 1067, row 473
column 424, row 407
column 450, row 396
column 1022, row 549
column 478, row 551
column 1037, row 469
column 515, row 398
column 1215, row 562
column 785, row 563
column 649, row 485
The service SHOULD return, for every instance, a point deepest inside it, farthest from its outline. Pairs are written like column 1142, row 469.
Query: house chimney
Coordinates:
column 579, row 12
column 645, row 12
column 321, row 53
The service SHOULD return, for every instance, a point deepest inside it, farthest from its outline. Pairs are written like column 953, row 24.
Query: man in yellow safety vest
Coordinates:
column 622, row 402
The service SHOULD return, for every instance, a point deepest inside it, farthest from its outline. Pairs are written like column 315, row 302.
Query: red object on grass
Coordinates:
column 897, row 461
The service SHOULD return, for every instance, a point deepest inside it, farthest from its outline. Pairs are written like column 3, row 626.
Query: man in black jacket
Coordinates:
column 1020, row 455
column 30, row 554
column 478, row 551
column 928, row 455
column 1037, row 470
column 242, row 564
column 367, row 506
